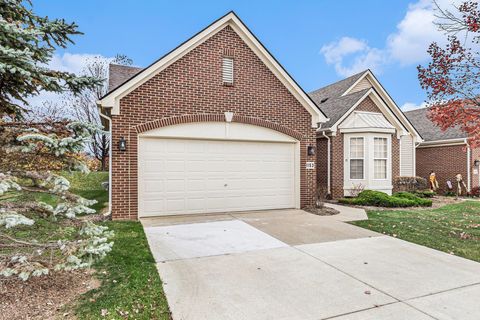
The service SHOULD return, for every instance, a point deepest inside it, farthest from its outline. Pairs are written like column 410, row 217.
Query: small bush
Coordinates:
column 410, row 183
column 356, row 189
column 381, row 199
column 418, row 200
column 475, row 192
column 425, row 193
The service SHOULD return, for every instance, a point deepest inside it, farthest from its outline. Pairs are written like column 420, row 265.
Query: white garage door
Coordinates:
column 178, row 176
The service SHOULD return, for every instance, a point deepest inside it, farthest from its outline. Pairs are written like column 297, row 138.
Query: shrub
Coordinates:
column 381, row 199
column 356, row 189
column 425, row 193
column 475, row 192
column 410, row 183
column 418, row 200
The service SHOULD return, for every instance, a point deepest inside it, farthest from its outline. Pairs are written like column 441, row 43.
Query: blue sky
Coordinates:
column 318, row 42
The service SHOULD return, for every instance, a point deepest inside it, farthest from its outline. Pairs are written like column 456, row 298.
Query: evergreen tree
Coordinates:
column 28, row 149
column 27, row 44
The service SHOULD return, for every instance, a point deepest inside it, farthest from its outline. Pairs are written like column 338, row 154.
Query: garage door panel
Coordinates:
column 179, row 176
column 154, row 186
column 193, row 184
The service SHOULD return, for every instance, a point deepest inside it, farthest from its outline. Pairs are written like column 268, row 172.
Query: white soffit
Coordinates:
column 112, row 99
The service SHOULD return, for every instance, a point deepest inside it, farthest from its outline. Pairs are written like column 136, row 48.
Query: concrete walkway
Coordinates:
column 289, row 264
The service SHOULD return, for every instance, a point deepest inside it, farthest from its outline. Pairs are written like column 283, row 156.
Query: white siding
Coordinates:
column 406, row 156
column 363, row 84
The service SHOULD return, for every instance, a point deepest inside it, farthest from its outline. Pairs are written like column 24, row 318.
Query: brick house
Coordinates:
column 445, row 152
column 367, row 141
column 218, row 125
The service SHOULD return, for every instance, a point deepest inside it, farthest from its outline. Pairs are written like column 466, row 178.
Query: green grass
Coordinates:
column 131, row 287
column 452, row 228
column 88, row 186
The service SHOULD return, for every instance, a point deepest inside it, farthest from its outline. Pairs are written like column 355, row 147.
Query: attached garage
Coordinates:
column 215, row 125
column 216, row 167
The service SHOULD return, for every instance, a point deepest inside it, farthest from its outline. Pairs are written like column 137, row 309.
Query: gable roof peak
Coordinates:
column 112, row 98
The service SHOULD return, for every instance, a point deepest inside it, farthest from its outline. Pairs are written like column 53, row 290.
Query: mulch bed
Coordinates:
column 322, row 211
column 43, row 297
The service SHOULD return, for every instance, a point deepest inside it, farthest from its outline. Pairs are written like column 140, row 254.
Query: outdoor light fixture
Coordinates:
column 122, row 144
column 311, row 150
column 476, row 163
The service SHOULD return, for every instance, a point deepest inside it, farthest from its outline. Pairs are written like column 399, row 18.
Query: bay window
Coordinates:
column 380, row 157
column 357, row 158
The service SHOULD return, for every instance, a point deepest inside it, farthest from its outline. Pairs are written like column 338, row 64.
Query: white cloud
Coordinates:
column 335, row 51
column 413, row 106
column 364, row 57
column 71, row 62
column 406, row 46
column 67, row 62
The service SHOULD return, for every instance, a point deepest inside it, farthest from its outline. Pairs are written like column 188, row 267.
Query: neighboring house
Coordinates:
column 218, row 125
column 367, row 142
column 445, row 152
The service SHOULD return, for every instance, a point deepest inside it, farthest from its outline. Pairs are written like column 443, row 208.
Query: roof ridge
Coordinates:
column 339, row 81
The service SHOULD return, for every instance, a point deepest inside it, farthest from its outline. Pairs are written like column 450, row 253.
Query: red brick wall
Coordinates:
column 322, row 167
column 337, row 160
column 193, row 86
column 446, row 161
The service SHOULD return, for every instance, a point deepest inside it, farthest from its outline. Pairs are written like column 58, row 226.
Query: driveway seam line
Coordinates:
column 443, row 291
column 376, row 307
column 364, row 282
column 346, row 273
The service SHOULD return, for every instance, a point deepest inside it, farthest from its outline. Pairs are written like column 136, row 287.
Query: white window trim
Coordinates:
column 384, row 185
column 350, row 158
column 387, row 159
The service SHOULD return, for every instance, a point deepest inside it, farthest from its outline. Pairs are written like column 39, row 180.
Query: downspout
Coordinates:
column 415, row 145
column 109, row 163
column 328, row 162
column 468, row 165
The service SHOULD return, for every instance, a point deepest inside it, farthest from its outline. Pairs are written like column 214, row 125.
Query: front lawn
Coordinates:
column 131, row 287
column 453, row 228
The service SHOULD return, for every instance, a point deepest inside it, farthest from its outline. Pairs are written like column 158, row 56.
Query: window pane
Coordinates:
column 356, row 169
column 356, row 147
column 380, row 147
column 380, row 169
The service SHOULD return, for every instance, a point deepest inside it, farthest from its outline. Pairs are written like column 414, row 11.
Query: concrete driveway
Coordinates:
column 289, row 264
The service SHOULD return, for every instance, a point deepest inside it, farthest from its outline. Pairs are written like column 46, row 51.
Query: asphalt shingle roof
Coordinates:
column 118, row 74
column 428, row 130
column 330, row 100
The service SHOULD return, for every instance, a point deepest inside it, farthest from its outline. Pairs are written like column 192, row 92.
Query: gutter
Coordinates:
column 328, row 163
column 443, row 143
column 109, row 163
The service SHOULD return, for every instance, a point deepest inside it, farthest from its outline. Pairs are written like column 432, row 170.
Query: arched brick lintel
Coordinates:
column 189, row 118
